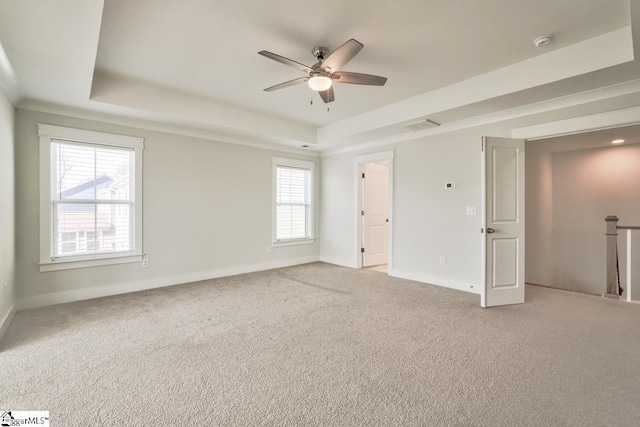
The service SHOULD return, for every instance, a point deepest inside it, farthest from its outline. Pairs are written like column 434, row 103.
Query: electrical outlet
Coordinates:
column 145, row 262
column 443, row 260
column 269, row 248
column 471, row 210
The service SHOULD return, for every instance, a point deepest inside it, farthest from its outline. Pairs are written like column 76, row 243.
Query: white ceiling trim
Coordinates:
column 586, row 97
column 600, row 52
column 608, row 120
column 152, row 98
column 135, row 119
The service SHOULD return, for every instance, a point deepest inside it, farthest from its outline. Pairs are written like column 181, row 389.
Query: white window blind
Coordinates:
column 293, row 200
column 92, row 199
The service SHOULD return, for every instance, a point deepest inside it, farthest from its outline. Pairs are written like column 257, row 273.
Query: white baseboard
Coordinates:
column 343, row 262
column 127, row 287
column 438, row 281
column 6, row 321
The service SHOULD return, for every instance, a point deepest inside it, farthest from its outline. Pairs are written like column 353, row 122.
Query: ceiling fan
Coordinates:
column 322, row 74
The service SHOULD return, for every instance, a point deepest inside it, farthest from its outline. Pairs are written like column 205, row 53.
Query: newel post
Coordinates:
column 612, row 243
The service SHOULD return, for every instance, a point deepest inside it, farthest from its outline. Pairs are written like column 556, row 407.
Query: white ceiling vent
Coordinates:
column 420, row 125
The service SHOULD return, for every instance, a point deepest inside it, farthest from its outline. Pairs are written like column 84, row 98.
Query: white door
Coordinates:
column 503, row 229
column 375, row 218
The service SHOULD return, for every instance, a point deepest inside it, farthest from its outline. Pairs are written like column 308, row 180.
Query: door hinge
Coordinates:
column 362, row 174
column 481, row 230
column 362, row 213
column 482, row 146
column 362, row 250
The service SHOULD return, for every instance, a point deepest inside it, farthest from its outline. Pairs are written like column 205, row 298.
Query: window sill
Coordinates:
column 93, row 262
column 293, row 242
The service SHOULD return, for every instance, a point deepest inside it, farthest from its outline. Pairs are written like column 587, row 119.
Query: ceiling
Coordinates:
column 194, row 64
column 595, row 139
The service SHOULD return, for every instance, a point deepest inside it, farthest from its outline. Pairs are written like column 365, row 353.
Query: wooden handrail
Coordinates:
column 628, row 227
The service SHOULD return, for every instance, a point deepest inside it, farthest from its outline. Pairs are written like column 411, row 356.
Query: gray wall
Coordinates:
column 428, row 220
column 207, row 211
column 538, row 212
column 7, row 213
column 569, row 193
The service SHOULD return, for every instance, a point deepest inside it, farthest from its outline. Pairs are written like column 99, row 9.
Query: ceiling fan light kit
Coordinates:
column 321, row 75
column 319, row 82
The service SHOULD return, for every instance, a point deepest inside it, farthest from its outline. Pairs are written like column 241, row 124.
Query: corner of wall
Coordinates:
column 6, row 321
column 7, row 220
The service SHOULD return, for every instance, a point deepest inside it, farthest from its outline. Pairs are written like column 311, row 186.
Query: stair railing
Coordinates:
column 613, row 287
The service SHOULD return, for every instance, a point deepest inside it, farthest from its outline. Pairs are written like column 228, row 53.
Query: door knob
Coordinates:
column 490, row 230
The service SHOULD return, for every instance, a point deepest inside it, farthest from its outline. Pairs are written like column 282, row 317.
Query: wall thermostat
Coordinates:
column 450, row 185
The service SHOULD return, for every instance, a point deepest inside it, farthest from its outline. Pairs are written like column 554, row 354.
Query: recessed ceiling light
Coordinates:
column 617, row 141
column 542, row 41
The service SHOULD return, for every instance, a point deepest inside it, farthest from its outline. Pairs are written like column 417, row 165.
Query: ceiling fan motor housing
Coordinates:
column 319, row 52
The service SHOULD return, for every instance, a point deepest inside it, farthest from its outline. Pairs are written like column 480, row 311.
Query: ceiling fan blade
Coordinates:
column 358, row 78
column 327, row 95
column 285, row 61
column 339, row 57
column 287, row 84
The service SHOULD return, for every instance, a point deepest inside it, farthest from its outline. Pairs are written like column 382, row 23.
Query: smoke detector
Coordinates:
column 542, row 41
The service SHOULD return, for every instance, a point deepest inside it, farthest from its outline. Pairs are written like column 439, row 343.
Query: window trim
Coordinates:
column 292, row 163
column 47, row 133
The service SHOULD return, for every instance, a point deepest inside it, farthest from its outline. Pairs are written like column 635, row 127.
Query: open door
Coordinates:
column 375, row 216
column 503, row 222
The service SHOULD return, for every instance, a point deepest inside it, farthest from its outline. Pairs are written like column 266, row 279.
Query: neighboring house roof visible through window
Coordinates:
column 86, row 189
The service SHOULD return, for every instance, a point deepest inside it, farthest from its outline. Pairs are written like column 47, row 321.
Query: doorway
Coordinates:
column 374, row 203
column 375, row 215
column 573, row 182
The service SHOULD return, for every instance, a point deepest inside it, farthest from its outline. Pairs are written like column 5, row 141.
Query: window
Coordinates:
column 68, row 242
column 90, row 198
column 293, row 201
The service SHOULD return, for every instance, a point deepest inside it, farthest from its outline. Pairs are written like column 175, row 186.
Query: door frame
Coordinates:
column 571, row 126
column 358, row 163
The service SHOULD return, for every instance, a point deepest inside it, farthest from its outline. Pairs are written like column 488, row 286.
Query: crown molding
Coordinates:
column 133, row 120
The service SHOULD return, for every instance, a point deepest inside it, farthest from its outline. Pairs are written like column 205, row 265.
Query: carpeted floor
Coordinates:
column 325, row 345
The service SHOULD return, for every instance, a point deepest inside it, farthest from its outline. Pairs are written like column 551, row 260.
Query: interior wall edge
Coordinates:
column 343, row 262
column 6, row 321
column 427, row 279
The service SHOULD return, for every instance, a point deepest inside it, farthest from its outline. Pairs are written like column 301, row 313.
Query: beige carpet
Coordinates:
column 380, row 268
column 325, row 345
